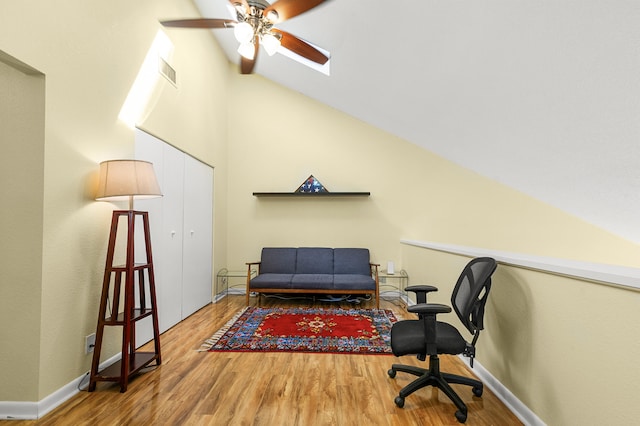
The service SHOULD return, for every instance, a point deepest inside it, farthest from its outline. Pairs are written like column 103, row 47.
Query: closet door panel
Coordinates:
column 170, row 266
column 197, row 277
column 150, row 149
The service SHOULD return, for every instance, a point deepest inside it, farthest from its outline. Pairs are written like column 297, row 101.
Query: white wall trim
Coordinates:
column 18, row 410
column 21, row 410
column 516, row 406
column 619, row 276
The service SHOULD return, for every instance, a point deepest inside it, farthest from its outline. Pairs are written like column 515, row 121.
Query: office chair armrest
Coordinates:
column 421, row 288
column 421, row 291
column 429, row 308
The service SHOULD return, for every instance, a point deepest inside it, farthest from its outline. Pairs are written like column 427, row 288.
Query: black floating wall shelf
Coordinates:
column 312, row 194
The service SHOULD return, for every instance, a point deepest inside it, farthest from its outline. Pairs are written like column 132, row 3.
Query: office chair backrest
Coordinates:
column 471, row 291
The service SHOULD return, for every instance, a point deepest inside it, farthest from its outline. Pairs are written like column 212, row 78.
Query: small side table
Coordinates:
column 224, row 276
column 402, row 281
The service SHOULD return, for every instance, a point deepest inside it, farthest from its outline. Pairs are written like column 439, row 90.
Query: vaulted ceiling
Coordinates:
column 542, row 96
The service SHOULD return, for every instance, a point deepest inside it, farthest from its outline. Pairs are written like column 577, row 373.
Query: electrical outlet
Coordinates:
column 89, row 343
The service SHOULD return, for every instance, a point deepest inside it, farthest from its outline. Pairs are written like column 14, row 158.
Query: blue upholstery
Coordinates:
column 272, row 280
column 351, row 261
column 353, row 282
column 315, row 281
column 315, row 260
column 278, row 260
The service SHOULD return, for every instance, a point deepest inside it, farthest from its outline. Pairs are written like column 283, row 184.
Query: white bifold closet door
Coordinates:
column 181, row 225
column 197, row 245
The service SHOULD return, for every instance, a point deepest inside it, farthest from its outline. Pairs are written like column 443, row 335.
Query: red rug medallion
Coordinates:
column 357, row 331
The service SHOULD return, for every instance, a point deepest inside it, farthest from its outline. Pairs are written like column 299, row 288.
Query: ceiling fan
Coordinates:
column 255, row 26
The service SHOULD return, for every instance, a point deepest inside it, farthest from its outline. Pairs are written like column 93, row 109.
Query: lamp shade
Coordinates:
column 127, row 179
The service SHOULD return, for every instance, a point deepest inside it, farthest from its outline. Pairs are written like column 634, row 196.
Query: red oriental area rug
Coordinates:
column 349, row 331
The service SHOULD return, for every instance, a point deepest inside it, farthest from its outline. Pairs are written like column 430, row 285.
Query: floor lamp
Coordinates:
column 126, row 180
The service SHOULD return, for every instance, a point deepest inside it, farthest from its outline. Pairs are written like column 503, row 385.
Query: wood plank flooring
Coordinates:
column 215, row 388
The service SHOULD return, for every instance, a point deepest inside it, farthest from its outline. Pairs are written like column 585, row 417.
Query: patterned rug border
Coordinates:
column 209, row 343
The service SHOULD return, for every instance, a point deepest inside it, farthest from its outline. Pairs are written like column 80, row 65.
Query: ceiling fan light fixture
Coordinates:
column 272, row 16
column 271, row 43
column 238, row 6
column 247, row 50
column 243, row 32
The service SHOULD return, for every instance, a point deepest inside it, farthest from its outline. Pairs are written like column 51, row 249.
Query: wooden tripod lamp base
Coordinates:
column 134, row 284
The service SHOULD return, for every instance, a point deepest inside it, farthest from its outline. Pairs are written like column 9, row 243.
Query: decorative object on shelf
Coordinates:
column 390, row 268
column 127, row 179
column 311, row 185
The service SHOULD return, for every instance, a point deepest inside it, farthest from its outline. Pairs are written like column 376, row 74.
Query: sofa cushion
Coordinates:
column 353, row 282
column 314, row 260
column 278, row 260
column 272, row 281
column 351, row 261
column 312, row 281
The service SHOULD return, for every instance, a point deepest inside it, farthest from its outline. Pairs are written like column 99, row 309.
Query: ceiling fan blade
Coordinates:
column 301, row 47
column 246, row 65
column 287, row 9
column 200, row 23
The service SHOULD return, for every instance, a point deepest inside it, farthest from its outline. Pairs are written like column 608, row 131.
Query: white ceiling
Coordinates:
column 543, row 96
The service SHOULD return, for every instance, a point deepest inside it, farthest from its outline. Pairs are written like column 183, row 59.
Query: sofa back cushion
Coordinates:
column 351, row 261
column 314, row 260
column 278, row 260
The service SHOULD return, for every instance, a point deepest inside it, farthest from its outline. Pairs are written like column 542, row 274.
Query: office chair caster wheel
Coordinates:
column 477, row 390
column 462, row 417
column 399, row 401
column 391, row 373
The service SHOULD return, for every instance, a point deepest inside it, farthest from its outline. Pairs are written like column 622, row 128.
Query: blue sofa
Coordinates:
column 315, row 270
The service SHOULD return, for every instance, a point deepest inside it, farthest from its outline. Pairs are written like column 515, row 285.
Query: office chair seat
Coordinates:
column 409, row 338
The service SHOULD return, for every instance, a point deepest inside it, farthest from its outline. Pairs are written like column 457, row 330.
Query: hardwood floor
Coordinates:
column 216, row 388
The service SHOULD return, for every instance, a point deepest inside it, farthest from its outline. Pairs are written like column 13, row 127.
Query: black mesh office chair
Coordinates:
column 427, row 336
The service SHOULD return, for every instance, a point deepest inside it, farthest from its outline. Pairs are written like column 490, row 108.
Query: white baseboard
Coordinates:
column 21, row 410
column 18, row 410
column 516, row 406
column 218, row 297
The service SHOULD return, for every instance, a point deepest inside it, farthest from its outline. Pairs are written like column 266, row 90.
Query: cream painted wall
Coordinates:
column 90, row 53
column 547, row 337
column 21, row 188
